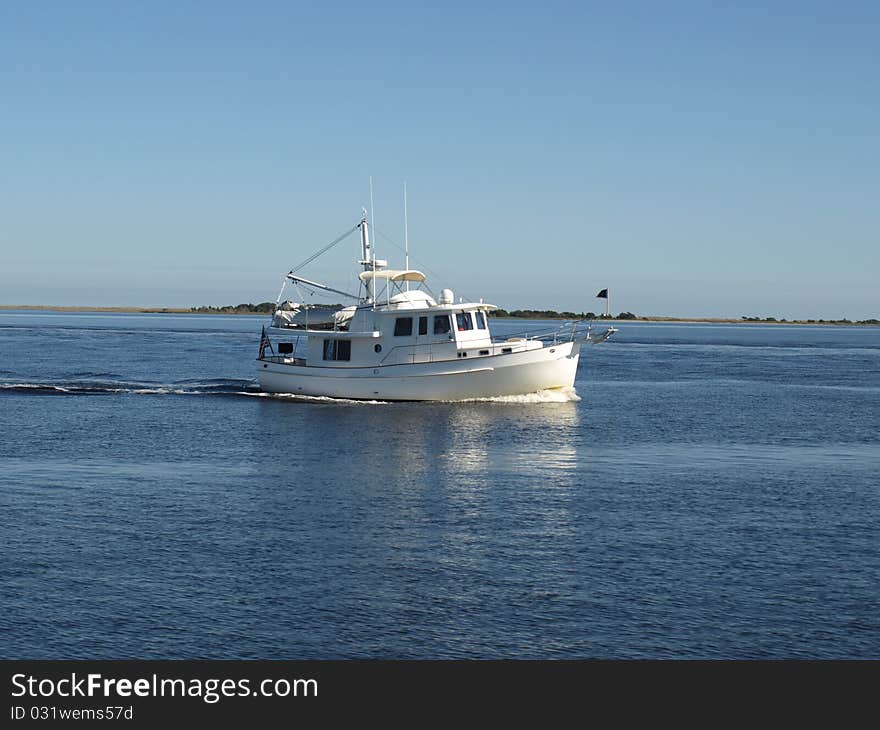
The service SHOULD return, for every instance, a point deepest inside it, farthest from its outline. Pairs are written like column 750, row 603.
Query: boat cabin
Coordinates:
column 411, row 328
column 395, row 322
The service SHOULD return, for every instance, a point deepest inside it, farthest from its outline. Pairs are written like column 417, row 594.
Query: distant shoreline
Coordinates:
column 240, row 311
column 124, row 310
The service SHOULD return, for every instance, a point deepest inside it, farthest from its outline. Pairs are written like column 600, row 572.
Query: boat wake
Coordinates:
column 217, row 386
column 298, row 398
column 560, row 395
column 234, row 387
column 556, row 395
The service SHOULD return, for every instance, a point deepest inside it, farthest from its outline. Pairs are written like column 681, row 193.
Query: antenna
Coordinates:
column 405, row 234
column 372, row 221
column 372, row 214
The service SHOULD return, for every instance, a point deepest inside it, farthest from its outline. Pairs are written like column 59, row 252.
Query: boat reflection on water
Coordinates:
column 416, row 446
column 487, row 439
column 410, row 484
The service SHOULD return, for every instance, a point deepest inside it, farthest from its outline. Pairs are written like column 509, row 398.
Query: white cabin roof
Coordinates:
column 392, row 275
column 416, row 299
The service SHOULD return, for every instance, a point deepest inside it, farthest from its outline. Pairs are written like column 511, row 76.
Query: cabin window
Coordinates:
column 441, row 325
column 481, row 320
column 403, row 326
column 463, row 319
column 423, row 325
column 337, row 349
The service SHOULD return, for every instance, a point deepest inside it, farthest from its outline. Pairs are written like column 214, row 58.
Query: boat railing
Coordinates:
column 568, row 331
column 295, row 355
column 284, row 359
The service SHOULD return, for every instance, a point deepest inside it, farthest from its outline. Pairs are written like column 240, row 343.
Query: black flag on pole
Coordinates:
column 602, row 294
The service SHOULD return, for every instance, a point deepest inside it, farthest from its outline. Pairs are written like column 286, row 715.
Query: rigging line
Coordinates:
column 300, row 288
column 397, row 246
column 433, row 274
column 325, row 249
column 315, row 285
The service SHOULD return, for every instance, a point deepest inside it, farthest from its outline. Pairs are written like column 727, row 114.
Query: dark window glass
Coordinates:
column 481, row 320
column 464, row 321
column 441, row 324
column 337, row 349
column 403, row 326
column 423, row 325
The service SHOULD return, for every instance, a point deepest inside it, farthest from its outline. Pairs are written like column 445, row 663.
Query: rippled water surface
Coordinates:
column 714, row 492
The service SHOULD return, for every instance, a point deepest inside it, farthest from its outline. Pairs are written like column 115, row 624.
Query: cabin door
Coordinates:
column 441, row 337
column 422, row 350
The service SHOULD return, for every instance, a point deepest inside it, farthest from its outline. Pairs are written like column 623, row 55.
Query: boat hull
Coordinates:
column 518, row 373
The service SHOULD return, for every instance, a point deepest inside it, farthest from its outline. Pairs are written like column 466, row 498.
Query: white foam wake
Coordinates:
column 92, row 387
column 556, row 395
column 317, row 398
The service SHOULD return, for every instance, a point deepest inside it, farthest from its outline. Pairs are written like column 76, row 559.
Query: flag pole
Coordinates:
column 603, row 294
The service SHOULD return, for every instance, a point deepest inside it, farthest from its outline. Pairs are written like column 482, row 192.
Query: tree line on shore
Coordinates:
column 552, row 314
column 811, row 321
column 269, row 307
column 261, row 308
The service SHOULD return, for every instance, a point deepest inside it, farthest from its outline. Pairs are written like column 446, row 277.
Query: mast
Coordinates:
column 366, row 251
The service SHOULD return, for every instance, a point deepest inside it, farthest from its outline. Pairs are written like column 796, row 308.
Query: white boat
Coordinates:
column 397, row 342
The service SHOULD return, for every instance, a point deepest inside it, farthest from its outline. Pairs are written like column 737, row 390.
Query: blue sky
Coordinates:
column 695, row 158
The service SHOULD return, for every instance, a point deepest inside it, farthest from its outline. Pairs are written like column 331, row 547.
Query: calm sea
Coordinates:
column 715, row 492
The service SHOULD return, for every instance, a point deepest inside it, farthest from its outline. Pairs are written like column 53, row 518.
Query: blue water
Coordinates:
column 714, row 493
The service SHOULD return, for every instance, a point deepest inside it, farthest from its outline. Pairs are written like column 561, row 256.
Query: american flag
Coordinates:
column 264, row 343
